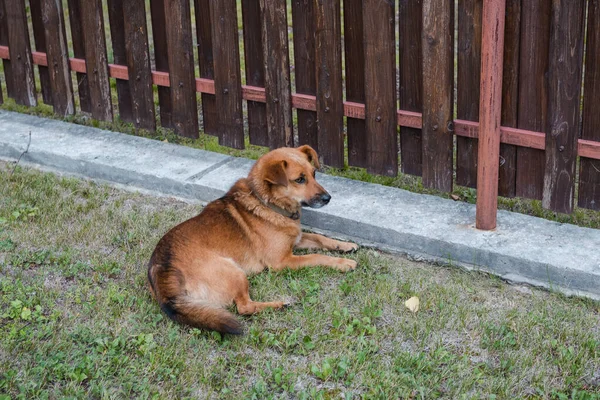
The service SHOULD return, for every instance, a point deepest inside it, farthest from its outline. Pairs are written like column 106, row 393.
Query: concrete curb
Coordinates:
column 522, row 249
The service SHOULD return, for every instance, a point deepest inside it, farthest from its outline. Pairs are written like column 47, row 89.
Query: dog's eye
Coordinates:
column 300, row 180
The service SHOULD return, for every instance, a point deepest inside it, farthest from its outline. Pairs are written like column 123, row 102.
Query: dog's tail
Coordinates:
column 167, row 287
column 199, row 314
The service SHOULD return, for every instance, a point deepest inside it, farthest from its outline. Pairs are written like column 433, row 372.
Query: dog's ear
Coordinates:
column 275, row 173
column 311, row 154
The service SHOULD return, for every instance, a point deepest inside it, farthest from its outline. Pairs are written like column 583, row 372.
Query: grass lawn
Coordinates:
column 76, row 318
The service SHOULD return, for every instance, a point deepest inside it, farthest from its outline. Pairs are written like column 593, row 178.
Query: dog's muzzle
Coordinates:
column 318, row 201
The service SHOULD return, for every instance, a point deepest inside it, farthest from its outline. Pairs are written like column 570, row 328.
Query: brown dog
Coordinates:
column 199, row 267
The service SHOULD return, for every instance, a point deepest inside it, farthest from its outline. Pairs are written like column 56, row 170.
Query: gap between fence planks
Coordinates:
column 39, row 38
column 210, row 118
column 159, row 36
column 116, row 18
column 513, row 136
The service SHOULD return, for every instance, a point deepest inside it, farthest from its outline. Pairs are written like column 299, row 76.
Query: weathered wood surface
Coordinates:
column 57, row 53
column 328, row 60
column 228, row 85
column 277, row 73
column 438, row 66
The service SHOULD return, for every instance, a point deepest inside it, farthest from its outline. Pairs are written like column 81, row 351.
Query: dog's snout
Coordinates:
column 325, row 197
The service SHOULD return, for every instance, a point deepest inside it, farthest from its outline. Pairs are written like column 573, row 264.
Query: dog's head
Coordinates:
column 286, row 177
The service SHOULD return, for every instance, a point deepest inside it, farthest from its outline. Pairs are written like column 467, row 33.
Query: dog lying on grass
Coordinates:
column 200, row 267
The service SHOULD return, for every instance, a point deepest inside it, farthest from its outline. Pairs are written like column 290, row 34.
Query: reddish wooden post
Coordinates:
column 490, row 105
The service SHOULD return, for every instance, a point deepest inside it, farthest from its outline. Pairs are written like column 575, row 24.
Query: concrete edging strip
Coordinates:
column 522, row 249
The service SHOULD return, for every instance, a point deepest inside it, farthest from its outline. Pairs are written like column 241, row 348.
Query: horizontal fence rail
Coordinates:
column 409, row 119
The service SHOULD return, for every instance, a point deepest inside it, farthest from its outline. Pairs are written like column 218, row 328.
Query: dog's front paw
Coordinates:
column 347, row 247
column 346, row 265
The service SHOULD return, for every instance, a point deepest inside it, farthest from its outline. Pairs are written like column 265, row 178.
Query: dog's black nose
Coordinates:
column 325, row 197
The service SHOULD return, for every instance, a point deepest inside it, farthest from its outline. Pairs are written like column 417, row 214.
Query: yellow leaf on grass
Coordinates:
column 412, row 304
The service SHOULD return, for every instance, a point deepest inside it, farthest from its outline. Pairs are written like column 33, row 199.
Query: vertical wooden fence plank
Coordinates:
column 83, row 88
column 469, row 66
column 255, row 71
column 304, row 68
column 562, row 127
column 438, row 65
column 4, row 42
column 206, row 63
column 117, row 34
column 96, row 61
column 20, row 53
column 355, row 80
column 58, row 58
column 490, row 112
column 510, row 92
column 138, row 63
column 589, row 170
column 228, row 84
column 181, row 67
column 533, row 93
column 380, row 87
column 277, row 73
column 39, row 39
column 410, row 26
column 161, row 60
column 330, row 101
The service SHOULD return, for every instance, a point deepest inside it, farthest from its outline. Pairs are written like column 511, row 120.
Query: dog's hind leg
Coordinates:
column 244, row 304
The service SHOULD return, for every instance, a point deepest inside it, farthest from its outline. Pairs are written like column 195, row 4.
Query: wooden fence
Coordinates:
column 373, row 80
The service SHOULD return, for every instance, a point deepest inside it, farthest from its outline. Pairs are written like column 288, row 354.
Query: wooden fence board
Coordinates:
column 303, row 22
column 380, row 88
column 83, row 88
column 410, row 26
column 255, row 74
column 117, row 35
column 469, row 67
column 355, row 80
column 181, row 67
column 23, row 83
column 138, row 63
column 510, row 90
column 96, row 61
column 4, row 42
column 39, row 38
column 589, row 170
column 330, row 105
column 277, row 73
column 161, row 60
column 562, row 127
column 210, row 117
column 59, row 74
column 438, row 66
column 533, row 93
column 228, row 84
